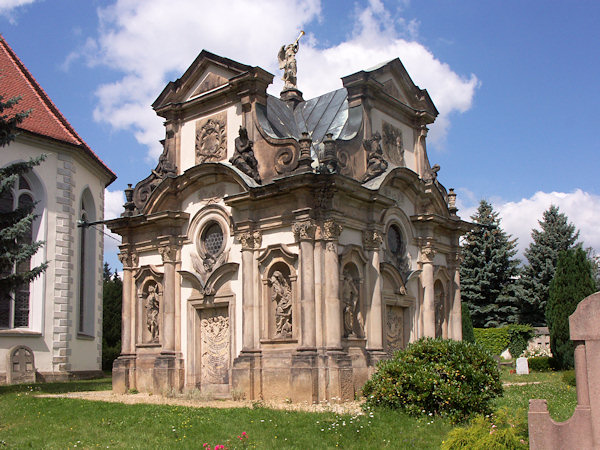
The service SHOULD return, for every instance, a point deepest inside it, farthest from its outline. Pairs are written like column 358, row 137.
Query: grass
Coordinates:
column 27, row 421
column 34, row 422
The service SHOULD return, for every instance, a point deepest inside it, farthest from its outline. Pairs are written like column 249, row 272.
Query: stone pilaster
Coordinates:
column 168, row 252
column 455, row 328
column 333, row 331
column 251, row 241
column 372, row 240
column 129, row 260
column 305, row 234
column 427, row 256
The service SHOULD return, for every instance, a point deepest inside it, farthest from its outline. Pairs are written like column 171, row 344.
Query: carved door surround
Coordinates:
column 210, row 341
column 279, row 309
column 399, row 309
column 149, row 308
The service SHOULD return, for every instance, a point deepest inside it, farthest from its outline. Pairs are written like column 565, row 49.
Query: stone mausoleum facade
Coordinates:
column 282, row 247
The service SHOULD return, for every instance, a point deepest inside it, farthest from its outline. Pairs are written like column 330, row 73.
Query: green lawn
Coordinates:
column 27, row 421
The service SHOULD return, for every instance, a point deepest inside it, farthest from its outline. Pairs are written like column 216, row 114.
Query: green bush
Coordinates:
column 569, row 378
column 494, row 340
column 518, row 338
column 467, row 325
column 488, row 433
column 543, row 364
column 436, row 376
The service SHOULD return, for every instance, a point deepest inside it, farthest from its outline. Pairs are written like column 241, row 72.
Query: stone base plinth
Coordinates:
column 123, row 374
column 158, row 374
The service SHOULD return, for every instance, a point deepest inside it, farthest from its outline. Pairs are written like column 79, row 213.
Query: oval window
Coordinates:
column 212, row 238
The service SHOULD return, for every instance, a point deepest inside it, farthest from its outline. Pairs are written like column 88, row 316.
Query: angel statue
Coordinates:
column 287, row 63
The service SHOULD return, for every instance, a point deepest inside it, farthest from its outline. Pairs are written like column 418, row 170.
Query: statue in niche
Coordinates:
column 281, row 294
column 376, row 165
column 243, row 157
column 351, row 313
column 152, row 309
column 287, row 63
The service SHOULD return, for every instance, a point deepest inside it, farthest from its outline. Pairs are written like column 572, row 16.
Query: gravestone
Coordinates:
column 20, row 365
column 522, row 366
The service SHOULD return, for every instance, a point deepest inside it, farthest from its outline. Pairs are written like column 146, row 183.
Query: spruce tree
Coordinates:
column 112, row 294
column 489, row 272
column 15, row 224
column 572, row 283
column 556, row 234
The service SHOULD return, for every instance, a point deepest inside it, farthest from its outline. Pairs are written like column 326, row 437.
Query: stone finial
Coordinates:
column 329, row 162
column 129, row 205
column 304, row 229
column 305, row 160
column 452, row 201
column 250, row 240
column 372, row 239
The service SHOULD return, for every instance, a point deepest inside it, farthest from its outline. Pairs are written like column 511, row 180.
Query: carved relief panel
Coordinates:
column 211, row 139
column 393, row 146
column 214, row 346
column 440, row 307
column 394, row 329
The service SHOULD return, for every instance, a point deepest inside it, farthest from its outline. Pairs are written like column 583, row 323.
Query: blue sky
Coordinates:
column 516, row 82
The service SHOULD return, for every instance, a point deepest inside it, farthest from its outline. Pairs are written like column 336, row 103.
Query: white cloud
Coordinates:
column 113, row 207
column 520, row 218
column 8, row 7
column 151, row 42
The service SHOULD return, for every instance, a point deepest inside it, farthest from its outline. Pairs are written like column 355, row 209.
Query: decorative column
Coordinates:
column 129, row 260
column 427, row 255
column 250, row 241
column 305, row 233
column 333, row 329
column 169, row 257
column 372, row 240
column 456, row 311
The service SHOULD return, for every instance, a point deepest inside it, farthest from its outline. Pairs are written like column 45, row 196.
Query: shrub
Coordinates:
column 518, row 338
column 543, row 364
column 467, row 325
column 435, row 376
column 494, row 340
column 488, row 433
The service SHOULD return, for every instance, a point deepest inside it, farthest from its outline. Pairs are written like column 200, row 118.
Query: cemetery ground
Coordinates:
column 28, row 419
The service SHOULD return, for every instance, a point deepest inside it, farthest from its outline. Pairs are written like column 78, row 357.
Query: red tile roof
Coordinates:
column 45, row 119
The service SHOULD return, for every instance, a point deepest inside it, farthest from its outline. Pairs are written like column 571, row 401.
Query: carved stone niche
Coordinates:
column 149, row 306
column 441, row 288
column 353, row 292
column 279, row 305
column 20, row 365
column 211, row 138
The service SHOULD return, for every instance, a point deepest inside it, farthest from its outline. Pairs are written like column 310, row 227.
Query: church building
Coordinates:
column 282, row 247
column 51, row 329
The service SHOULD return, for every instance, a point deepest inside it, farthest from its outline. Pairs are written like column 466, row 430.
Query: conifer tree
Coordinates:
column 556, row 234
column 572, row 283
column 112, row 294
column 489, row 271
column 15, row 224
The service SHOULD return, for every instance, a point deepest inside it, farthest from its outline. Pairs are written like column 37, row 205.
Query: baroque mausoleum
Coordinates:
column 282, row 247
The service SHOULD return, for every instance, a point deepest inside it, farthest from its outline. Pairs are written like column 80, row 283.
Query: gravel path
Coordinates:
column 352, row 408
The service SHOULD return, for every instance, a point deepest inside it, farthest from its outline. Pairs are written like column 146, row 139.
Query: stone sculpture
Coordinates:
column 243, row 157
column 152, row 309
column 287, row 63
column 376, row 165
column 351, row 312
column 282, row 296
column 211, row 140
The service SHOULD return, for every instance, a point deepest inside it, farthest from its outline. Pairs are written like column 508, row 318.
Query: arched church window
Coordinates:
column 87, row 265
column 15, row 306
column 394, row 240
